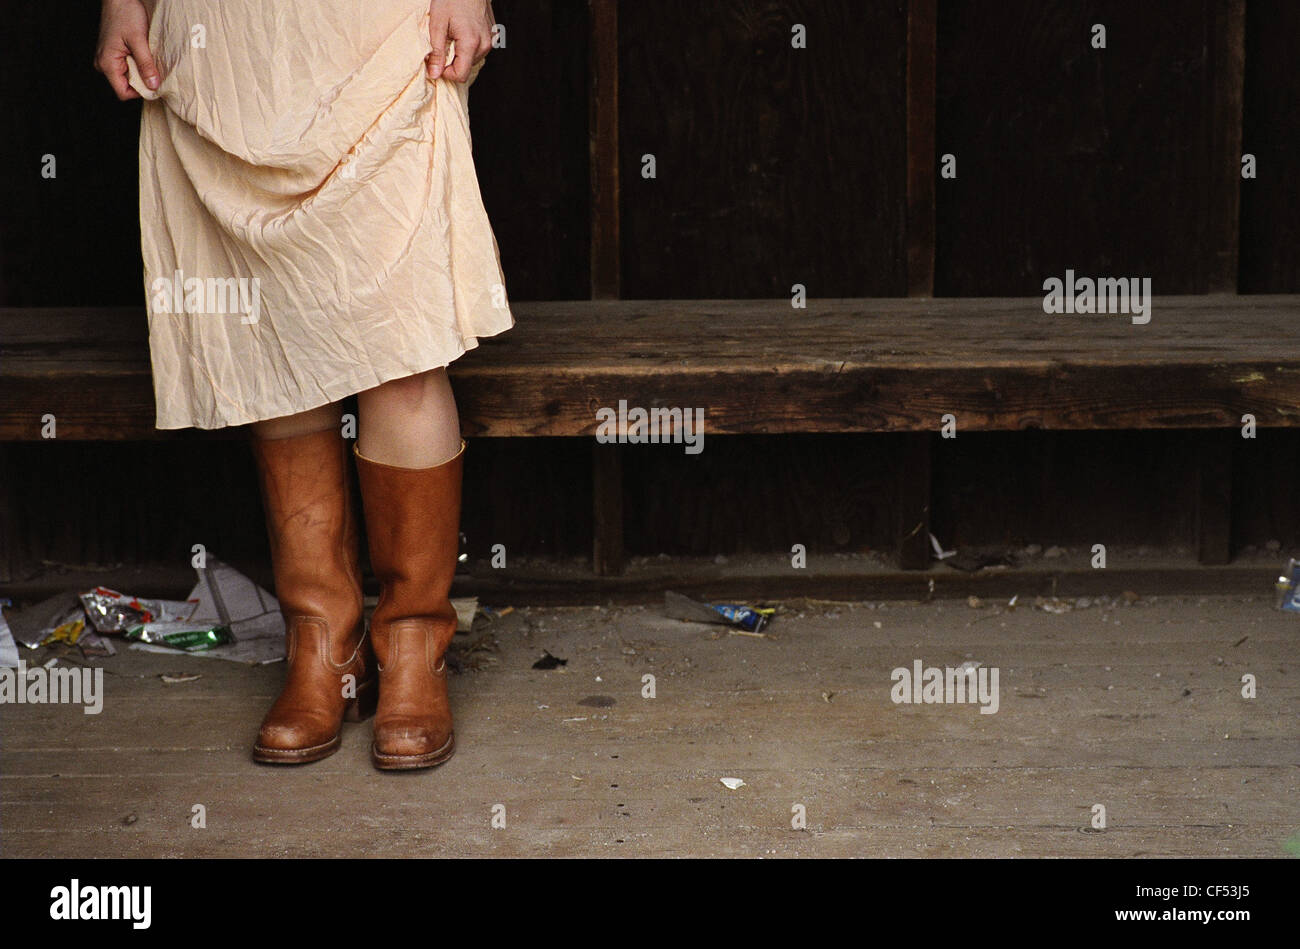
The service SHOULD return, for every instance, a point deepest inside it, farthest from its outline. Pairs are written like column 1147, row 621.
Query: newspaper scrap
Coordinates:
column 225, row 598
column 8, row 648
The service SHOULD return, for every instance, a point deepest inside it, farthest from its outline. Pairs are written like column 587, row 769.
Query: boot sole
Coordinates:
column 413, row 762
column 296, row 755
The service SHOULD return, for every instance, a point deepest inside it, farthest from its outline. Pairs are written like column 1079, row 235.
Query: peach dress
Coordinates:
column 310, row 216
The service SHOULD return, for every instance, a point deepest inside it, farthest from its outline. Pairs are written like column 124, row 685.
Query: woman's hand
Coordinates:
column 124, row 29
column 469, row 23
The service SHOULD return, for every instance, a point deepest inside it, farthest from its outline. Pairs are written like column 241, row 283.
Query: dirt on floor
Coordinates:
column 1100, row 727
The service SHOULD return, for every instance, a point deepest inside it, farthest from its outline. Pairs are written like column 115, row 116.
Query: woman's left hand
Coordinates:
column 469, row 23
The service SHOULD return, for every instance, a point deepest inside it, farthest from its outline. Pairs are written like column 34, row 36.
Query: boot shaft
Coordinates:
column 306, row 488
column 413, row 533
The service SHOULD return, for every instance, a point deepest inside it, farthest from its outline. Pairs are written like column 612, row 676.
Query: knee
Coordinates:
column 409, row 392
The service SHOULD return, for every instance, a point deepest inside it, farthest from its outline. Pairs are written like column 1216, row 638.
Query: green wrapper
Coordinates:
column 181, row 635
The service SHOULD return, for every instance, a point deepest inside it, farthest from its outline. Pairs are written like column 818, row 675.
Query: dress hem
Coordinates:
column 468, row 344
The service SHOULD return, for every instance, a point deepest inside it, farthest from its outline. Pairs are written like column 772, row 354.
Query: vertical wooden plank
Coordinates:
column 1215, row 450
column 603, row 124
column 607, row 511
column 922, row 21
column 606, row 282
column 9, row 539
column 913, row 500
column 532, row 100
column 1226, row 48
column 1269, row 243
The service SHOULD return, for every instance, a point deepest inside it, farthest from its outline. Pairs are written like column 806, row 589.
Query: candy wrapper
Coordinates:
column 1288, row 588
column 745, row 617
column 113, row 612
column 750, row 619
column 178, row 634
column 168, row 623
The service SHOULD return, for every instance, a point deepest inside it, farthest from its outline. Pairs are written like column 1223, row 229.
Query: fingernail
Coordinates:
column 152, row 82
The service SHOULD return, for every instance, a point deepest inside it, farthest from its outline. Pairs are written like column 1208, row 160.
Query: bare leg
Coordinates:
column 313, row 420
column 409, row 422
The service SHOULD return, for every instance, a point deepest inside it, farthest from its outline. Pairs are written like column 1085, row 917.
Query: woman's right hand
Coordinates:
column 123, row 30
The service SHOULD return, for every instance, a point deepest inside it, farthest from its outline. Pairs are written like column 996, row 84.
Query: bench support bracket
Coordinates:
column 1214, row 457
column 912, row 494
column 607, row 558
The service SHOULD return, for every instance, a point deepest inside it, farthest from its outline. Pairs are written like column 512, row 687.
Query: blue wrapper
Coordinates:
column 1288, row 588
column 741, row 616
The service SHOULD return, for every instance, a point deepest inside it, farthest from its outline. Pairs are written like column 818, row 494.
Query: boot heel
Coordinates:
column 363, row 706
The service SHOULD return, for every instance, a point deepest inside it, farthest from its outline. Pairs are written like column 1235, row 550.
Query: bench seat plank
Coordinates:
column 760, row 366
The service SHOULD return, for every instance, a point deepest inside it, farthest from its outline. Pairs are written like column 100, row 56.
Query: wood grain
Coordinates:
column 857, row 366
column 776, row 165
column 922, row 20
column 1100, row 160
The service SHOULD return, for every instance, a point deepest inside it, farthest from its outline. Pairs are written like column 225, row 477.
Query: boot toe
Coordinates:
column 295, row 736
column 411, row 739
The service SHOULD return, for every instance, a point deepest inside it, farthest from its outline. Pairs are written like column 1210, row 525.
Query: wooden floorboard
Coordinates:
column 1137, row 708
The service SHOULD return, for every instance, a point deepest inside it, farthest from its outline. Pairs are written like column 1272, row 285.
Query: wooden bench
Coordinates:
column 760, row 366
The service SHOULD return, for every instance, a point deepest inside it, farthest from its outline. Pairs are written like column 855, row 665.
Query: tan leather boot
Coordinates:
column 312, row 527
column 413, row 528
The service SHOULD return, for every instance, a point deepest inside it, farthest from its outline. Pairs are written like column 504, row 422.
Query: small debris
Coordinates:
column 473, row 656
column 827, row 696
column 598, row 701
column 939, row 552
column 68, row 633
column 130, row 819
column 178, row 679
column 466, row 608
column 747, row 618
column 1129, row 597
column 745, row 632
column 733, row 784
column 549, row 662
column 1288, row 587
column 974, row 602
column 1052, row 605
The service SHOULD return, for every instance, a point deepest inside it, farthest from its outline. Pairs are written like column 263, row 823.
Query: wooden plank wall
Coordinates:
column 775, row 166
column 1270, row 204
column 1103, row 161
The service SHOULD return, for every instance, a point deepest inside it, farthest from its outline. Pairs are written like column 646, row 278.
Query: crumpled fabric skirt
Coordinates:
column 310, row 216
